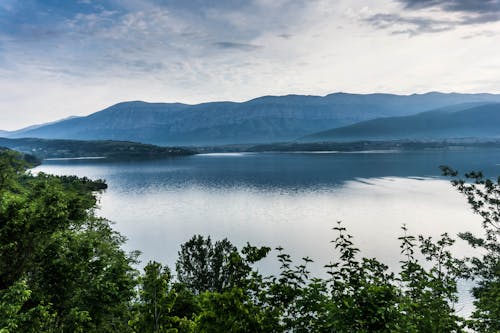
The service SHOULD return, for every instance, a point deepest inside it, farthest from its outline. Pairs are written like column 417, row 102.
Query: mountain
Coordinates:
column 33, row 127
column 476, row 122
column 261, row 120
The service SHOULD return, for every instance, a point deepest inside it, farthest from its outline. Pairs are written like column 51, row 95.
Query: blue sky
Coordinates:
column 62, row 58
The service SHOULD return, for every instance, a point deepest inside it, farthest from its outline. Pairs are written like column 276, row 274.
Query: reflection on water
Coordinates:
column 291, row 200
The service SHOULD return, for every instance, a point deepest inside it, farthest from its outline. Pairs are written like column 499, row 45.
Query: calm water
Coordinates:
column 290, row 199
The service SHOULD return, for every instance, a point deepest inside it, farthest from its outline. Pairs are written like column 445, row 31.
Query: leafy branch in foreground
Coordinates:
column 483, row 195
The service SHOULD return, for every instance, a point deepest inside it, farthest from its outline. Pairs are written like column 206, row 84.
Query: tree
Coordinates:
column 156, row 300
column 428, row 295
column 206, row 266
column 229, row 311
column 364, row 297
column 13, row 316
column 12, row 165
column 483, row 195
column 68, row 261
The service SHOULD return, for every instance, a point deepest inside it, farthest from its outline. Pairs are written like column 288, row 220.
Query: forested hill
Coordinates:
column 476, row 122
column 261, row 120
column 29, row 159
column 45, row 148
column 375, row 145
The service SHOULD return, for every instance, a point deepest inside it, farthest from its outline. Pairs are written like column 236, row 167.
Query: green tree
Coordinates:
column 229, row 311
column 87, row 278
column 71, row 262
column 13, row 165
column 483, row 195
column 289, row 300
column 13, row 316
column 429, row 294
column 363, row 294
column 156, row 300
column 206, row 266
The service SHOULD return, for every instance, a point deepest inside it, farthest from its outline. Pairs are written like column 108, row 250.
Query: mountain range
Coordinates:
column 449, row 123
column 261, row 120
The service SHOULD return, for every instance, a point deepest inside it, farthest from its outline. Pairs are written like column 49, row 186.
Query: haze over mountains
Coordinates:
column 279, row 118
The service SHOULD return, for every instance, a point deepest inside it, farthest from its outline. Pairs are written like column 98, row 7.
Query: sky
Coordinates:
column 60, row 57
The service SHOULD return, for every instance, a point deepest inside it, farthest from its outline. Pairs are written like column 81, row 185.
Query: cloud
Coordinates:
column 473, row 11
column 468, row 6
column 482, row 33
column 236, row 46
column 410, row 25
column 109, row 38
column 143, row 66
column 431, row 16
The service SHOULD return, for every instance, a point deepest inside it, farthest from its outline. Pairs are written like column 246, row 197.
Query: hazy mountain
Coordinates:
column 473, row 122
column 265, row 119
column 33, row 127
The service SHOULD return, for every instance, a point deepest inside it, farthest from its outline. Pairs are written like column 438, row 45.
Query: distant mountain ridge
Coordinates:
column 472, row 122
column 261, row 120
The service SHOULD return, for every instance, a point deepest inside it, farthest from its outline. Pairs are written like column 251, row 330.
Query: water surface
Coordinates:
column 287, row 199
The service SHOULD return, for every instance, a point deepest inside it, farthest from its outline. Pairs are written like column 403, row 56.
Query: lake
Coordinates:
column 285, row 199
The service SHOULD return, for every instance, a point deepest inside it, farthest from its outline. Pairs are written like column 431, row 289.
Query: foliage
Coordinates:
column 13, row 316
column 206, row 266
column 429, row 294
column 156, row 300
column 60, row 266
column 229, row 311
column 483, row 196
column 11, row 165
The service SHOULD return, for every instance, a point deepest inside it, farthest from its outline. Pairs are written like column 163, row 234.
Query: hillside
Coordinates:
column 114, row 150
column 261, row 120
column 476, row 122
column 375, row 146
